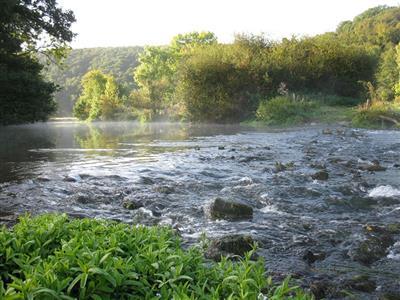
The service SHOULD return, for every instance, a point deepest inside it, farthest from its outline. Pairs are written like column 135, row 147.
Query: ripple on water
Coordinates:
column 174, row 173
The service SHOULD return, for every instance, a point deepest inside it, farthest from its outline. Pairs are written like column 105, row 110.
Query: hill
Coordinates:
column 119, row 61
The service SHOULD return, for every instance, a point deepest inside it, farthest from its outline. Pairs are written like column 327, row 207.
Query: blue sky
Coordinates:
column 103, row 23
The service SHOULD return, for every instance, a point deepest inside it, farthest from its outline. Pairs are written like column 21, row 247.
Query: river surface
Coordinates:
column 175, row 170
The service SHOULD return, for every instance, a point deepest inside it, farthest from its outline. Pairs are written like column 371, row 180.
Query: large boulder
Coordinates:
column 230, row 245
column 371, row 249
column 230, row 210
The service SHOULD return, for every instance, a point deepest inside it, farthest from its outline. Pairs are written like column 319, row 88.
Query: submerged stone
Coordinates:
column 280, row 167
column 327, row 131
column 361, row 283
column 230, row 245
column 320, row 175
column 312, row 256
column 71, row 178
column 83, row 199
column 146, row 180
column 165, row 189
column 230, row 210
column 390, row 292
column 321, row 288
column 375, row 166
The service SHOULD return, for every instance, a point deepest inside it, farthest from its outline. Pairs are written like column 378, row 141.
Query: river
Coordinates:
column 175, row 170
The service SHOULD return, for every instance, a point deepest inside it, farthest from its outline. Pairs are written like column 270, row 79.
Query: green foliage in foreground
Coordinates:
column 54, row 257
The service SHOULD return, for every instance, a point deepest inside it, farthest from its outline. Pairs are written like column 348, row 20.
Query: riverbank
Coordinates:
column 289, row 113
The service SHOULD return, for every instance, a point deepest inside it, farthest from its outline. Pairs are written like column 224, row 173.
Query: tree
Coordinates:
column 119, row 61
column 387, row 74
column 26, row 28
column 222, row 83
column 156, row 74
column 397, row 85
column 377, row 26
column 100, row 98
column 188, row 41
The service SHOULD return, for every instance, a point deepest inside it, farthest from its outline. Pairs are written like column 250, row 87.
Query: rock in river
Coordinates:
column 375, row 166
column 230, row 245
column 230, row 210
column 312, row 256
column 361, row 283
column 320, row 175
column 131, row 204
column 371, row 249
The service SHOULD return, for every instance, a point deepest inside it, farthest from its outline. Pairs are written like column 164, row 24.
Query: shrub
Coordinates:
column 284, row 110
column 54, row 257
column 378, row 114
column 221, row 84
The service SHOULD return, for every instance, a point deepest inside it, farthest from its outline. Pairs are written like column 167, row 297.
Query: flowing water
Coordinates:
column 175, row 170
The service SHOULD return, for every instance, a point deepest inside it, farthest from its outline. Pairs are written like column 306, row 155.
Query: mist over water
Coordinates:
column 175, row 170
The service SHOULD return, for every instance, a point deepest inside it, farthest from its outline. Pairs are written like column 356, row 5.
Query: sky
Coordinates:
column 105, row 23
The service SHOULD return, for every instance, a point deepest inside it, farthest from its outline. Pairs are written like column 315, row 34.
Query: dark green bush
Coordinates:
column 54, row 257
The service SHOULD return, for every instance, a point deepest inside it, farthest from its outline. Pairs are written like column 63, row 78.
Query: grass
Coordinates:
column 285, row 111
column 54, row 257
column 331, row 114
column 379, row 114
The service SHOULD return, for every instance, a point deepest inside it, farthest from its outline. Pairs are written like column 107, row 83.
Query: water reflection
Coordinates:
column 15, row 143
column 23, row 149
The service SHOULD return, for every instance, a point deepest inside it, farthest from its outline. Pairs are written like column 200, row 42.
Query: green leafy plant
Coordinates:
column 54, row 257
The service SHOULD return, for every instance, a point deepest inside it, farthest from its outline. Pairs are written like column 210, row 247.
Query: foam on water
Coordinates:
column 384, row 191
column 394, row 252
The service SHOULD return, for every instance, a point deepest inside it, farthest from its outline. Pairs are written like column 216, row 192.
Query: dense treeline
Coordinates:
column 26, row 28
column 233, row 79
column 198, row 79
column 119, row 61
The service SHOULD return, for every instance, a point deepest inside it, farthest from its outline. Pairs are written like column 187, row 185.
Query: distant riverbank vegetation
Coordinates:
column 352, row 72
column 195, row 78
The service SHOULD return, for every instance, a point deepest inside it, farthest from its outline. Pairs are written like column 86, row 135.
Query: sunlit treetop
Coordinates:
column 192, row 39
